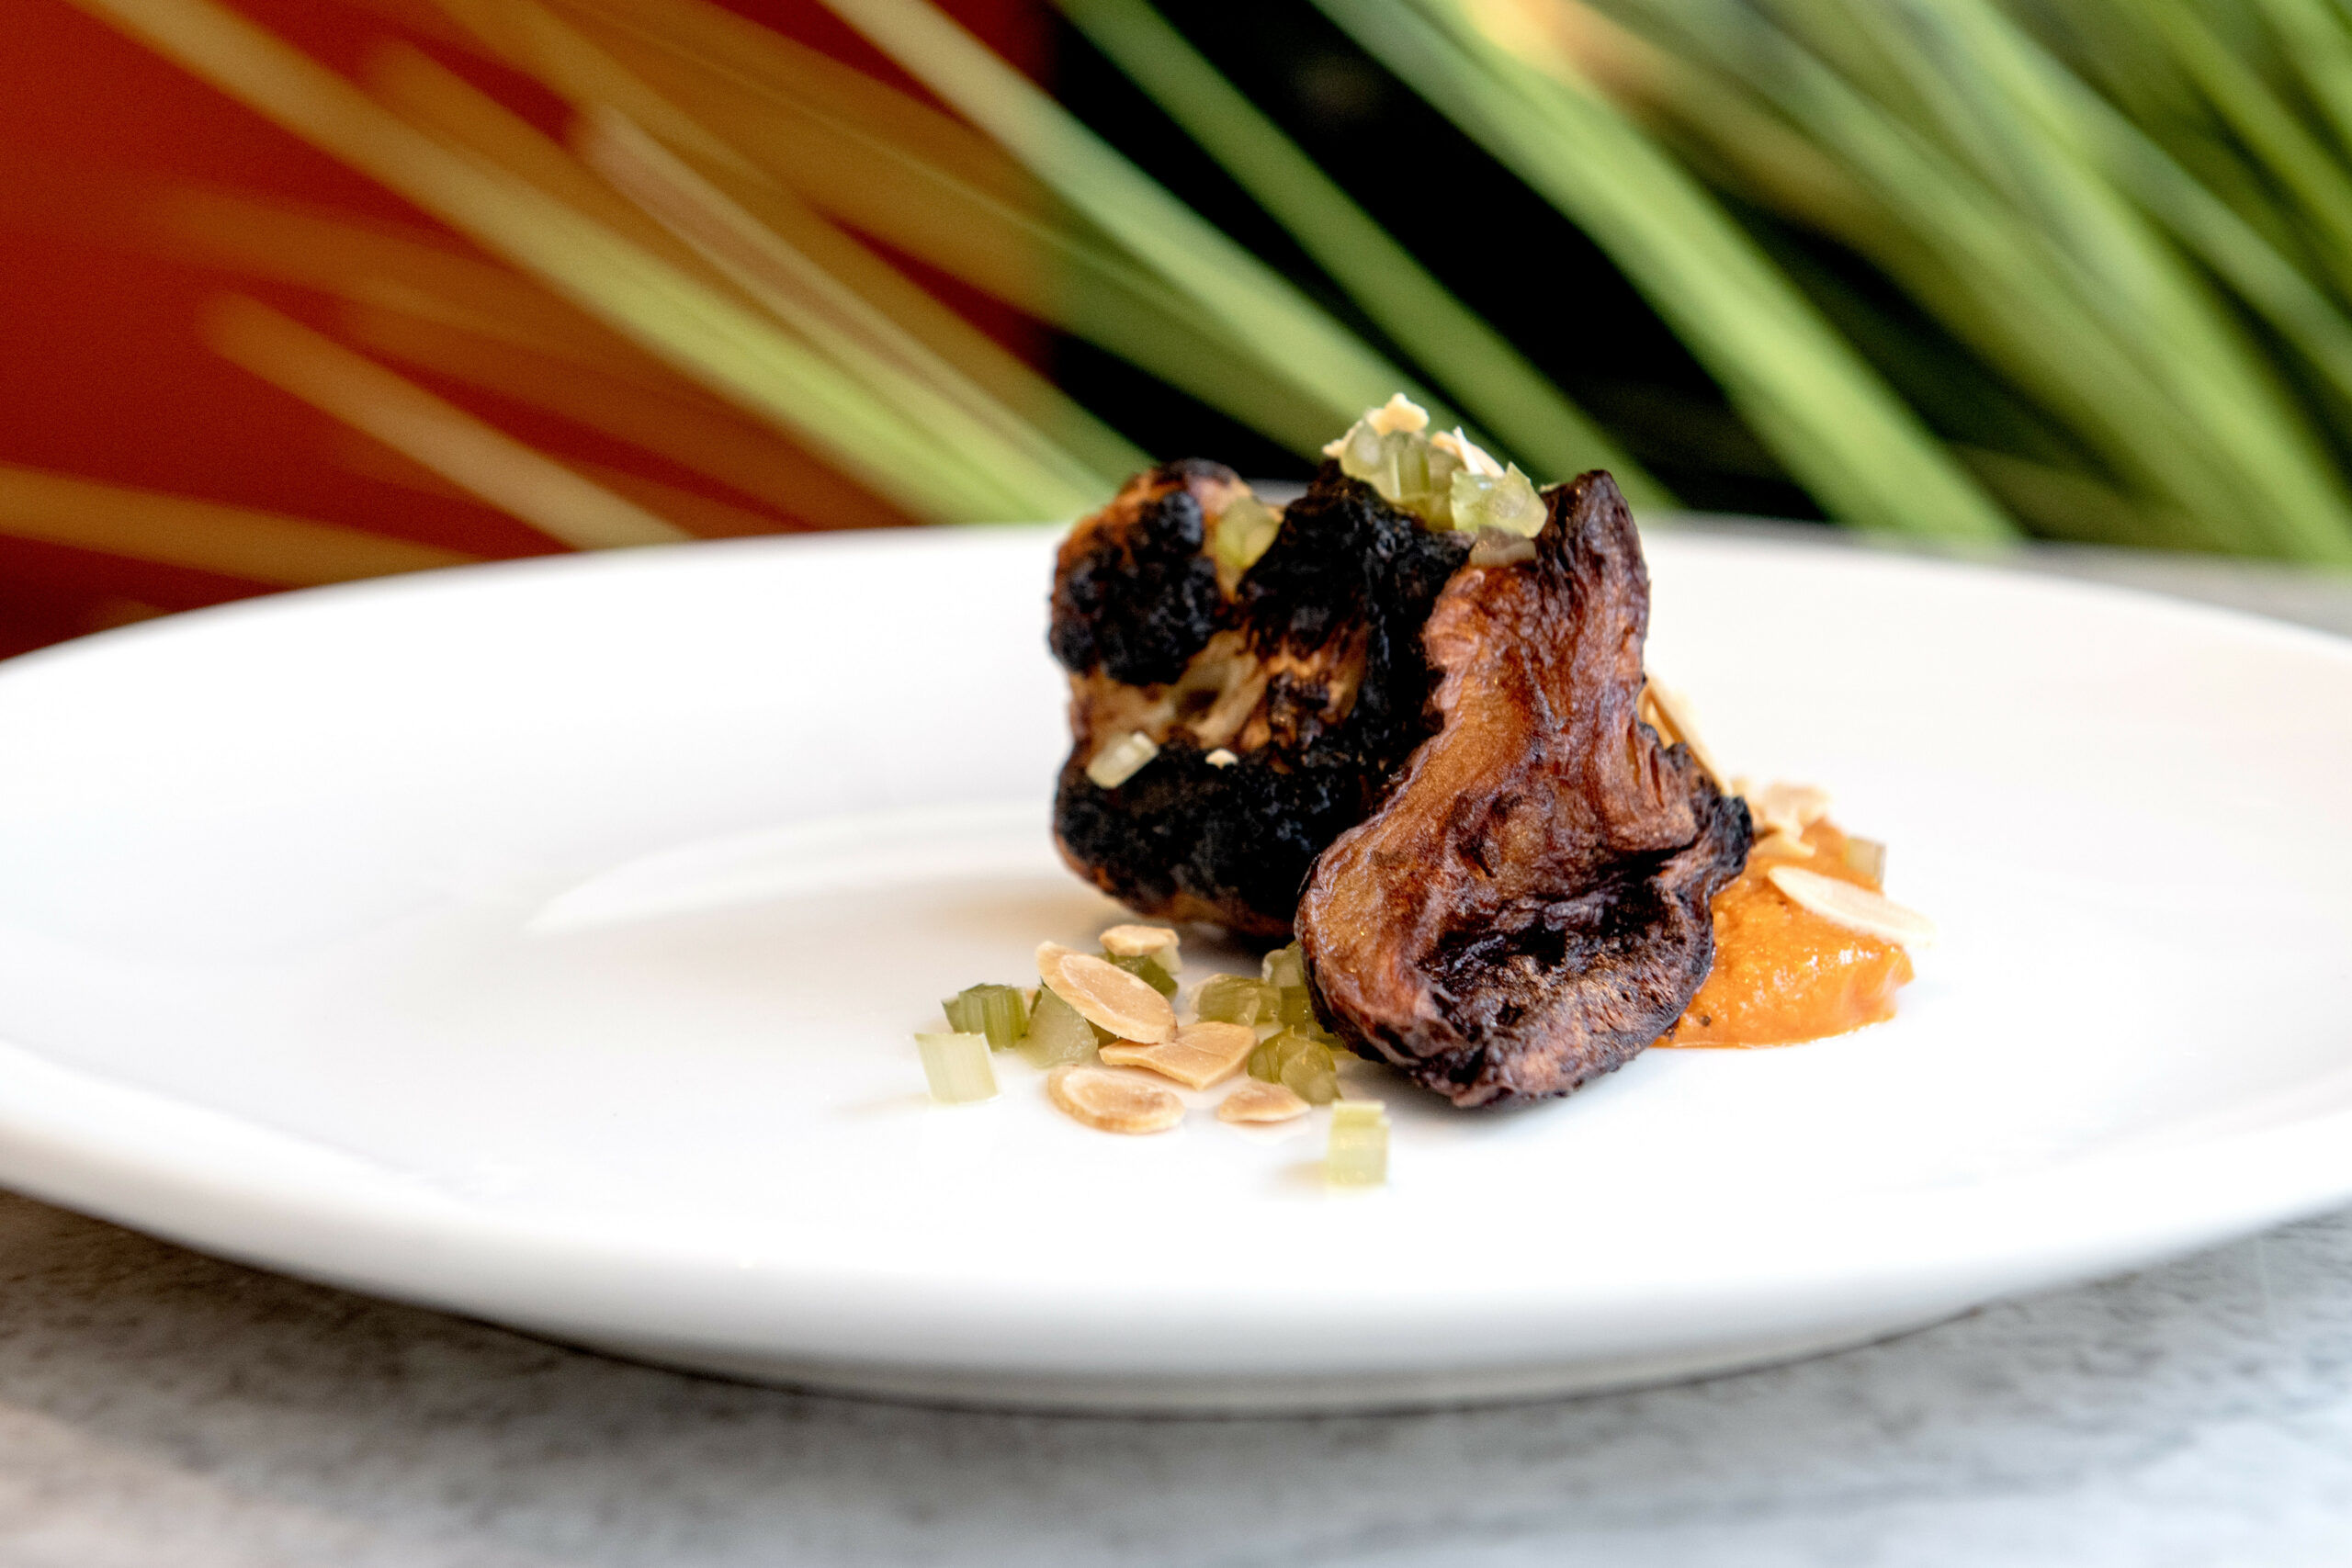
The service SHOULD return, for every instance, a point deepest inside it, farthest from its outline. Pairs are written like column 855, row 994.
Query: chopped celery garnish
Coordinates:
column 998, row 1012
column 1405, row 466
column 1285, row 971
column 1312, row 1075
column 1236, row 998
column 1146, row 967
column 1357, row 1154
column 1057, row 1033
column 1299, row 1062
column 1245, row 531
column 958, row 1066
column 1507, row 502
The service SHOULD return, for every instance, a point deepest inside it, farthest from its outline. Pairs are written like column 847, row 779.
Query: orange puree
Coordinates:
column 1783, row 974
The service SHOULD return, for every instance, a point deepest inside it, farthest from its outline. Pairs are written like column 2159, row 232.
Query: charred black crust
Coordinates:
column 1347, row 558
column 1144, row 599
column 1242, row 838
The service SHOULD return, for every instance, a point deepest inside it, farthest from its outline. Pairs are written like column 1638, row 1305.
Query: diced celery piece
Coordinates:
column 1235, row 999
column 1297, row 1007
column 1146, row 967
column 1284, row 966
column 1265, row 1062
column 1357, row 1154
column 998, row 1012
column 1366, row 454
column 1487, row 501
column 1300, row 1062
column 1313, row 1074
column 1245, row 531
column 1406, row 467
column 1425, row 479
column 1057, row 1033
column 958, row 1066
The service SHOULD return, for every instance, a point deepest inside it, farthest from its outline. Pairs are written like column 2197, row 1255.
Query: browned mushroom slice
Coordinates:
column 1529, row 907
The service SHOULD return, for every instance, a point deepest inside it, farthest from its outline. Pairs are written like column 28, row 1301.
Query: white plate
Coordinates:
column 544, row 942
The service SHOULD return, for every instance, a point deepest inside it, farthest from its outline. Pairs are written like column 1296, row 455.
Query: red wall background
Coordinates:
column 101, row 372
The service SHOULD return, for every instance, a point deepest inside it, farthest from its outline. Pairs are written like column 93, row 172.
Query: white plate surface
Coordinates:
column 545, row 941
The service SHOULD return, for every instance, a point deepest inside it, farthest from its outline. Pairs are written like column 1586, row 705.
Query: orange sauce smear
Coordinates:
column 1784, row 975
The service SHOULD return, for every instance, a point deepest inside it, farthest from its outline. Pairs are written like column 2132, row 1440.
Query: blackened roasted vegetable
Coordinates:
column 1273, row 706
column 1529, row 907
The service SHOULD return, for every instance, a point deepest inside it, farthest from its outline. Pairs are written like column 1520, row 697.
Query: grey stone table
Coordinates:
column 159, row 1407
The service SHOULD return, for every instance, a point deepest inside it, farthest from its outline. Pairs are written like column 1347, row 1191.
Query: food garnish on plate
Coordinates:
column 1406, row 720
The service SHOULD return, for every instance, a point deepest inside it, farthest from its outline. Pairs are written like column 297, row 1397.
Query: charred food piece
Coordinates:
column 1529, row 908
column 1227, row 725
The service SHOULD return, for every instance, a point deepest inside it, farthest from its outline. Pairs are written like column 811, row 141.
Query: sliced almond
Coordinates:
column 1681, row 724
column 1106, row 995
column 1783, row 808
column 1856, row 908
column 1133, row 941
column 1114, row 1103
column 1399, row 412
column 1773, row 841
column 1200, row 1054
column 1255, row 1101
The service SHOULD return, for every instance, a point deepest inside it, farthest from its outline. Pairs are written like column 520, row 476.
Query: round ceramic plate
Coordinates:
column 545, row 943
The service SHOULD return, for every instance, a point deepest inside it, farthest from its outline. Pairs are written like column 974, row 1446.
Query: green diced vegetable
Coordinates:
column 1245, row 531
column 1357, row 1154
column 1057, row 1033
column 1285, row 972
column 998, row 1012
column 1366, row 455
column 1313, row 1074
column 1299, row 1062
column 1236, row 998
column 1406, row 467
column 958, row 1066
column 1508, row 502
column 1147, row 967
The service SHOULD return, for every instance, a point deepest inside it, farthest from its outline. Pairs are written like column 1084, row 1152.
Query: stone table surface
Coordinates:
column 161, row 1407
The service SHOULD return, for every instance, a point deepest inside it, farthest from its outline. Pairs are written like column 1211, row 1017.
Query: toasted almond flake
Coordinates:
column 1122, row 760
column 1255, row 1101
column 1783, row 808
column 1200, row 1055
column 1220, row 758
column 1681, row 724
column 1468, row 453
column 1856, row 908
column 1105, row 994
column 1399, row 414
column 1772, row 841
column 1133, row 941
column 1113, row 1103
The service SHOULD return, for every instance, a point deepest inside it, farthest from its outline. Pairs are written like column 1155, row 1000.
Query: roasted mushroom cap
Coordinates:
column 1529, row 908
column 1281, row 701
